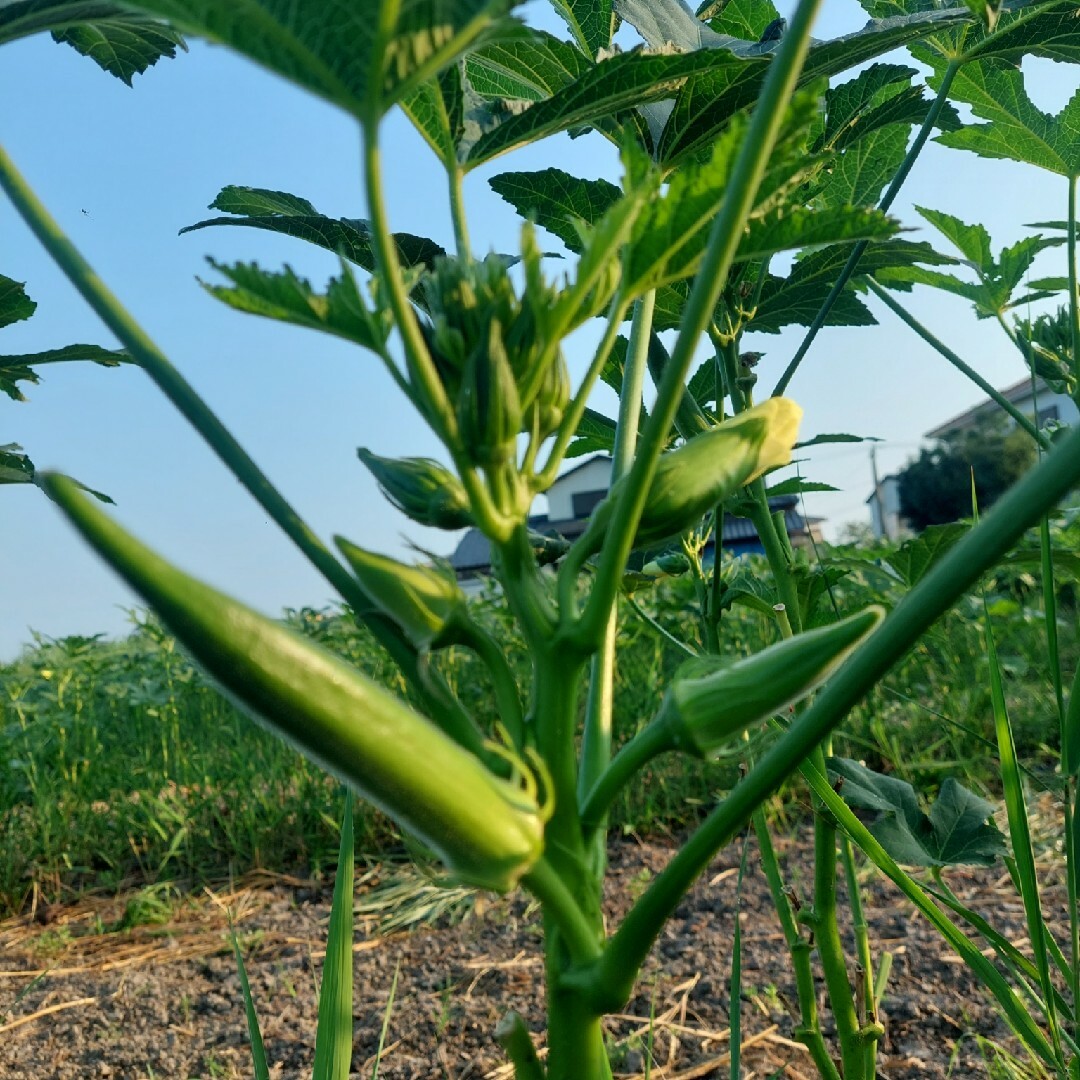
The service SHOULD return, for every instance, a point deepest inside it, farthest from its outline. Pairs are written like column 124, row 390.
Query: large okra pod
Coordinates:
column 487, row 830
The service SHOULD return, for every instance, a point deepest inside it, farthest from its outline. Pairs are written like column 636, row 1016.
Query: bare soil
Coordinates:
column 81, row 998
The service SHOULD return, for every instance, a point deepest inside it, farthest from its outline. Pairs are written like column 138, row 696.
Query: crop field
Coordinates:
column 122, row 766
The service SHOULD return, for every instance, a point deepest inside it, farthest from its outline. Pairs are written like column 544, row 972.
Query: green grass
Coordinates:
column 119, row 765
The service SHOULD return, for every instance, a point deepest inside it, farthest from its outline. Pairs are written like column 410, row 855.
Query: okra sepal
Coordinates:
column 488, row 831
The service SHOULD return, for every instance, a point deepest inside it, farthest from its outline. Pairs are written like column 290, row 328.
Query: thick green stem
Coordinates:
column 596, row 738
column 651, row 741
column 580, row 939
column 507, row 698
column 723, row 242
column 857, row 251
column 830, row 948
column 809, row 1029
column 610, row 980
column 457, row 212
column 934, row 342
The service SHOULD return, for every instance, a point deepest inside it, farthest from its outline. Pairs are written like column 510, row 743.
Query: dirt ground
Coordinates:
column 80, row 998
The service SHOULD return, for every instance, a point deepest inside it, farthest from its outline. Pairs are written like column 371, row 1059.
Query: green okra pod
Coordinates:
column 423, row 601
column 703, row 712
column 487, row 830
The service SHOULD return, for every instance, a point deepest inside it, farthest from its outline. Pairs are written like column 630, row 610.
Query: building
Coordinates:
column 884, row 503
column 574, row 495
column 1035, row 400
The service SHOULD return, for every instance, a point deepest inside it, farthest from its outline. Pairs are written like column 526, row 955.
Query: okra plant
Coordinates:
column 740, row 137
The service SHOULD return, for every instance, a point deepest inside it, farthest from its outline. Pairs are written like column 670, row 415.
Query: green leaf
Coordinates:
column 861, row 173
column 288, row 298
column 17, row 366
column 999, row 278
column 595, row 434
column 590, row 21
column 746, row 19
column 334, row 1034
column 706, row 102
column 437, row 109
column 15, row 466
column 343, row 51
column 529, row 67
column 955, row 832
column 258, row 1050
column 120, row 41
column 15, row 305
column 839, row 437
column 557, row 201
column 796, row 485
column 620, row 82
column 1016, row 130
column 280, row 212
column 798, row 297
column 914, row 558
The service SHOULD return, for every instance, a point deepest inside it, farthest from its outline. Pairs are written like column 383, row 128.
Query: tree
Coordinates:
column 935, row 488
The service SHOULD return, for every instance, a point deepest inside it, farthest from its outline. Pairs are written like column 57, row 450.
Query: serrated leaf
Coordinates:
column 704, row 105
column 17, row 367
column 280, row 212
column 796, row 485
column 998, row 278
column 595, row 434
column 437, row 109
column 798, row 297
column 122, row 42
column 15, row 466
column 124, row 47
column 702, row 384
column 915, row 557
column 555, row 200
column 745, row 19
column 859, row 175
column 529, row 67
column 814, row 587
column 289, row 298
column 671, row 22
column 15, row 305
column 590, row 21
column 1016, row 129
column 956, row 831
column 343, row 50
column 609, row 86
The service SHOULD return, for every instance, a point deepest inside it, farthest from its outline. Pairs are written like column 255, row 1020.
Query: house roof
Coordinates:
column 1016, row 392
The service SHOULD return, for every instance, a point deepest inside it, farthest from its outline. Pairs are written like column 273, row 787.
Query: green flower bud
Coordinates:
column 487, row 830
column 553, row 397
column 422, row 489
column 489, row 412
column 705, row 709
column 673, row 564
column 420, row 599
column 690, row 480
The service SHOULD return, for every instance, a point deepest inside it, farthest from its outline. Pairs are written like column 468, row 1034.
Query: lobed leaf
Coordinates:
column 956, row 831
column 290, row 215
column 15, row 305
column 915, row 558
column 16, row 367
column 118, row 40
column 289, row 298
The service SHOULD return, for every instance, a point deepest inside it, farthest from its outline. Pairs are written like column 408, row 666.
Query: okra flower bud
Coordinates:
column 702, row 712
column 489, row 412
column 690, row 480
column 422, row 489
column 487, row 830
column 422, row 601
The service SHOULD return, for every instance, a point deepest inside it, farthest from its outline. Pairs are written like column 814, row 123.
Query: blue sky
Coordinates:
column 124, row 169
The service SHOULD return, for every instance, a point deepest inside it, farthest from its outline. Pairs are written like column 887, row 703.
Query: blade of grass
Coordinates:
column 1020, row 834
column 735, row 1021
column 387, row 1012
column 258, row 1051
column 334, row 1035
